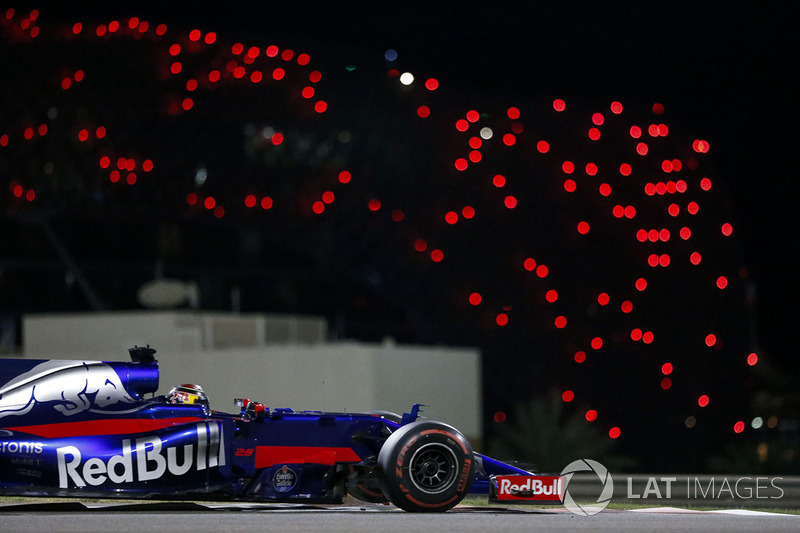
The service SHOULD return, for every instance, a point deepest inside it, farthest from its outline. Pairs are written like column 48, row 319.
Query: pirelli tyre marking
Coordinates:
column 426, row 466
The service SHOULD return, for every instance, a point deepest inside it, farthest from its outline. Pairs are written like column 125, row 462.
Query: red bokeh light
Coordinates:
column 542, row 271
column 703, row 400
column 529, row 264
column 727, row 229
column 567, row 396
column 591, row 415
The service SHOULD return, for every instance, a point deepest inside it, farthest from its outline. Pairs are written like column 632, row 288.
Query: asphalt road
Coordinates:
column 379, row 518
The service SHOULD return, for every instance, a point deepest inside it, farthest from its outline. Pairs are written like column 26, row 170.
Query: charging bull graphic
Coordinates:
column 71, row 387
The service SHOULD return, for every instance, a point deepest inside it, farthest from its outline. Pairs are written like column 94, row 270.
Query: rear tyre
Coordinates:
column 426, row 466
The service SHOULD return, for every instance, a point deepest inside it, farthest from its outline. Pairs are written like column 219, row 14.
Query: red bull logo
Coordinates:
column 529, row 488
column 69, row 387
column 144, row 459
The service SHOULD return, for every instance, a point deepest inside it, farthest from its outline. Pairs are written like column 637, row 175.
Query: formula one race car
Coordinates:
column 85, row 428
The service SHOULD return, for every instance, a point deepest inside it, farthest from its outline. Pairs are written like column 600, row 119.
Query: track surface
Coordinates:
column 277, row 517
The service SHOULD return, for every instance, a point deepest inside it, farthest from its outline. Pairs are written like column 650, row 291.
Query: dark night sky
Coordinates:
column 724, row 66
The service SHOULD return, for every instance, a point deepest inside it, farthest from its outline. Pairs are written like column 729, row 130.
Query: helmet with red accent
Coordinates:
column 188, row 393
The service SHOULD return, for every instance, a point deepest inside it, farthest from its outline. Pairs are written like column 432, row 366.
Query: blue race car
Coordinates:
column 86, row 428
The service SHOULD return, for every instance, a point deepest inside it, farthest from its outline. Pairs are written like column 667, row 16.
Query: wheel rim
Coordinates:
column 433, row 468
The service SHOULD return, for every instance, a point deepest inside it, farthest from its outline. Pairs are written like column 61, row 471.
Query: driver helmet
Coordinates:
column 188, row 393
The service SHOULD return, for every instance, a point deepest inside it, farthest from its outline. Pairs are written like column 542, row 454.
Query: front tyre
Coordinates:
column 426, row 466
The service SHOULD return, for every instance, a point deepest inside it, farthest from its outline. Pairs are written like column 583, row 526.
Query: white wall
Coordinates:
column 230, row 357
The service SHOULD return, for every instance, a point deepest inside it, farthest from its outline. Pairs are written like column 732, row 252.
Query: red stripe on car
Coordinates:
column 122, row 426
column 321, row 455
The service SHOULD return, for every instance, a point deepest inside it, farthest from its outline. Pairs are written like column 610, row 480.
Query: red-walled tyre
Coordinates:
column 426, row 466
